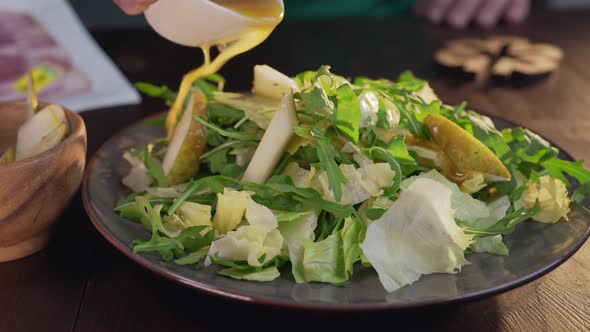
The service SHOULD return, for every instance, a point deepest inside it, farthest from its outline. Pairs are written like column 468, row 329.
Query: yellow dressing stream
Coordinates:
column 271, row 14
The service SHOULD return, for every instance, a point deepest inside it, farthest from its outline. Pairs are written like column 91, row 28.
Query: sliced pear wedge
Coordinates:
column 274, row 142
column 42, row 132
column 188, row 142
column 8, row 156
column 50, row 140
column 465, row 151
column 271, row 83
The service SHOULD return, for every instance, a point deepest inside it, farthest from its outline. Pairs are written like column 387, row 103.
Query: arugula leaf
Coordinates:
column 409, row 121
column 558, row 167
column 347, row 116
column 218, row 160
column 326, row 155
column 408, row 81
column 154, row 167
column 210, row 84
column 315, row 102
column 581, row 193
column 222, row 114
column 505, row 225
column 306, row 196
column 326, row 225
column 398, row 149
column 380, row 153
column 291, row 216
column 192, row 258
column 157, row 91
column 226, row 133
column 425, row 109
column 163, row 245
column 375, row 213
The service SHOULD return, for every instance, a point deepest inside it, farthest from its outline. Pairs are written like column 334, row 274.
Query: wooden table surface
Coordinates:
column 81, row 283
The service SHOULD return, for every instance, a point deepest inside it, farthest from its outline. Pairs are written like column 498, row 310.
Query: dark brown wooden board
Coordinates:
column 81, row 283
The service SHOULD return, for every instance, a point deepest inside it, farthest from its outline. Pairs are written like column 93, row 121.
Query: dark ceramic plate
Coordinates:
column 535, row 249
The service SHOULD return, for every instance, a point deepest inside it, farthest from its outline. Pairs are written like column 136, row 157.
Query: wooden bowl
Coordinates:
column 34, row 191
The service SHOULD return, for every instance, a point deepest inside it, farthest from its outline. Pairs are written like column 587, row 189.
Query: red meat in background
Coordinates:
column 25, row 44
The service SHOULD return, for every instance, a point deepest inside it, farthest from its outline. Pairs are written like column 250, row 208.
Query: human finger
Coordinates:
column 436, row 10
column 491, row 12
column 517, row 11
column 462, row 12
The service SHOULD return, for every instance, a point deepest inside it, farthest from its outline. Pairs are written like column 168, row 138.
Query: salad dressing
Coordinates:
column 269, row 14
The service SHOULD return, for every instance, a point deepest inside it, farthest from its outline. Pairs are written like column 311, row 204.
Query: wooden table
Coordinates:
column 81, row 283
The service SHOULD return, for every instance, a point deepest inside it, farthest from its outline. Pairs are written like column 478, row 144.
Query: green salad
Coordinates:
column 319, row 176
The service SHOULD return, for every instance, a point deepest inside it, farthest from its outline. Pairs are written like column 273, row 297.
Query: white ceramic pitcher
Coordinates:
column 199, row 22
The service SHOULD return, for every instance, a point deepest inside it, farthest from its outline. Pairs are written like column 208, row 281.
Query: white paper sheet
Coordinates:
column 48, row 34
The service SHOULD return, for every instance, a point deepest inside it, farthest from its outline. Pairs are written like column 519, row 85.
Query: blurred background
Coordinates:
column 104, row 14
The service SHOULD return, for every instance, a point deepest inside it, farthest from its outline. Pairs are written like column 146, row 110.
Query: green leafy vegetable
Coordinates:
column 348, row 113
column 327, row 156
column 231, row 134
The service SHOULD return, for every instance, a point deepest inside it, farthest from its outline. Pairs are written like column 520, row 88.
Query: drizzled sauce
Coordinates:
column 271, row 14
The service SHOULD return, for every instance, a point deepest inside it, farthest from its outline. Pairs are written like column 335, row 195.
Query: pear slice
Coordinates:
column 271, row 83
column 42, row 132
column 188, row 142
column 274, row 142
column 7, row 157
column 465, row 151
column 50, row 140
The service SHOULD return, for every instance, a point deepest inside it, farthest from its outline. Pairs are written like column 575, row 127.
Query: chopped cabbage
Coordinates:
column 322, row 260
column 357, row 154
column 296, row 233
column 552, row 196
column 260, row 215
column 252, row 243
column 260, row 238
column 170, row 192
column 138, row 179
column 302, row 178
column 467, row 208
column 362, row 183
column 188, row 214
column 417, row 235
column 427, row 94
column 195, row 214
column 231, row 206
column 369, row 102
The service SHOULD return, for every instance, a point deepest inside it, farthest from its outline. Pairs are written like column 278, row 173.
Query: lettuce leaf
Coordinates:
column 323, row 260
column 417, row 235
column 347, row 116
column 267, row 274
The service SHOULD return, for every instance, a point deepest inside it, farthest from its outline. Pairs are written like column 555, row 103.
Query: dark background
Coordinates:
column 104, row 14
